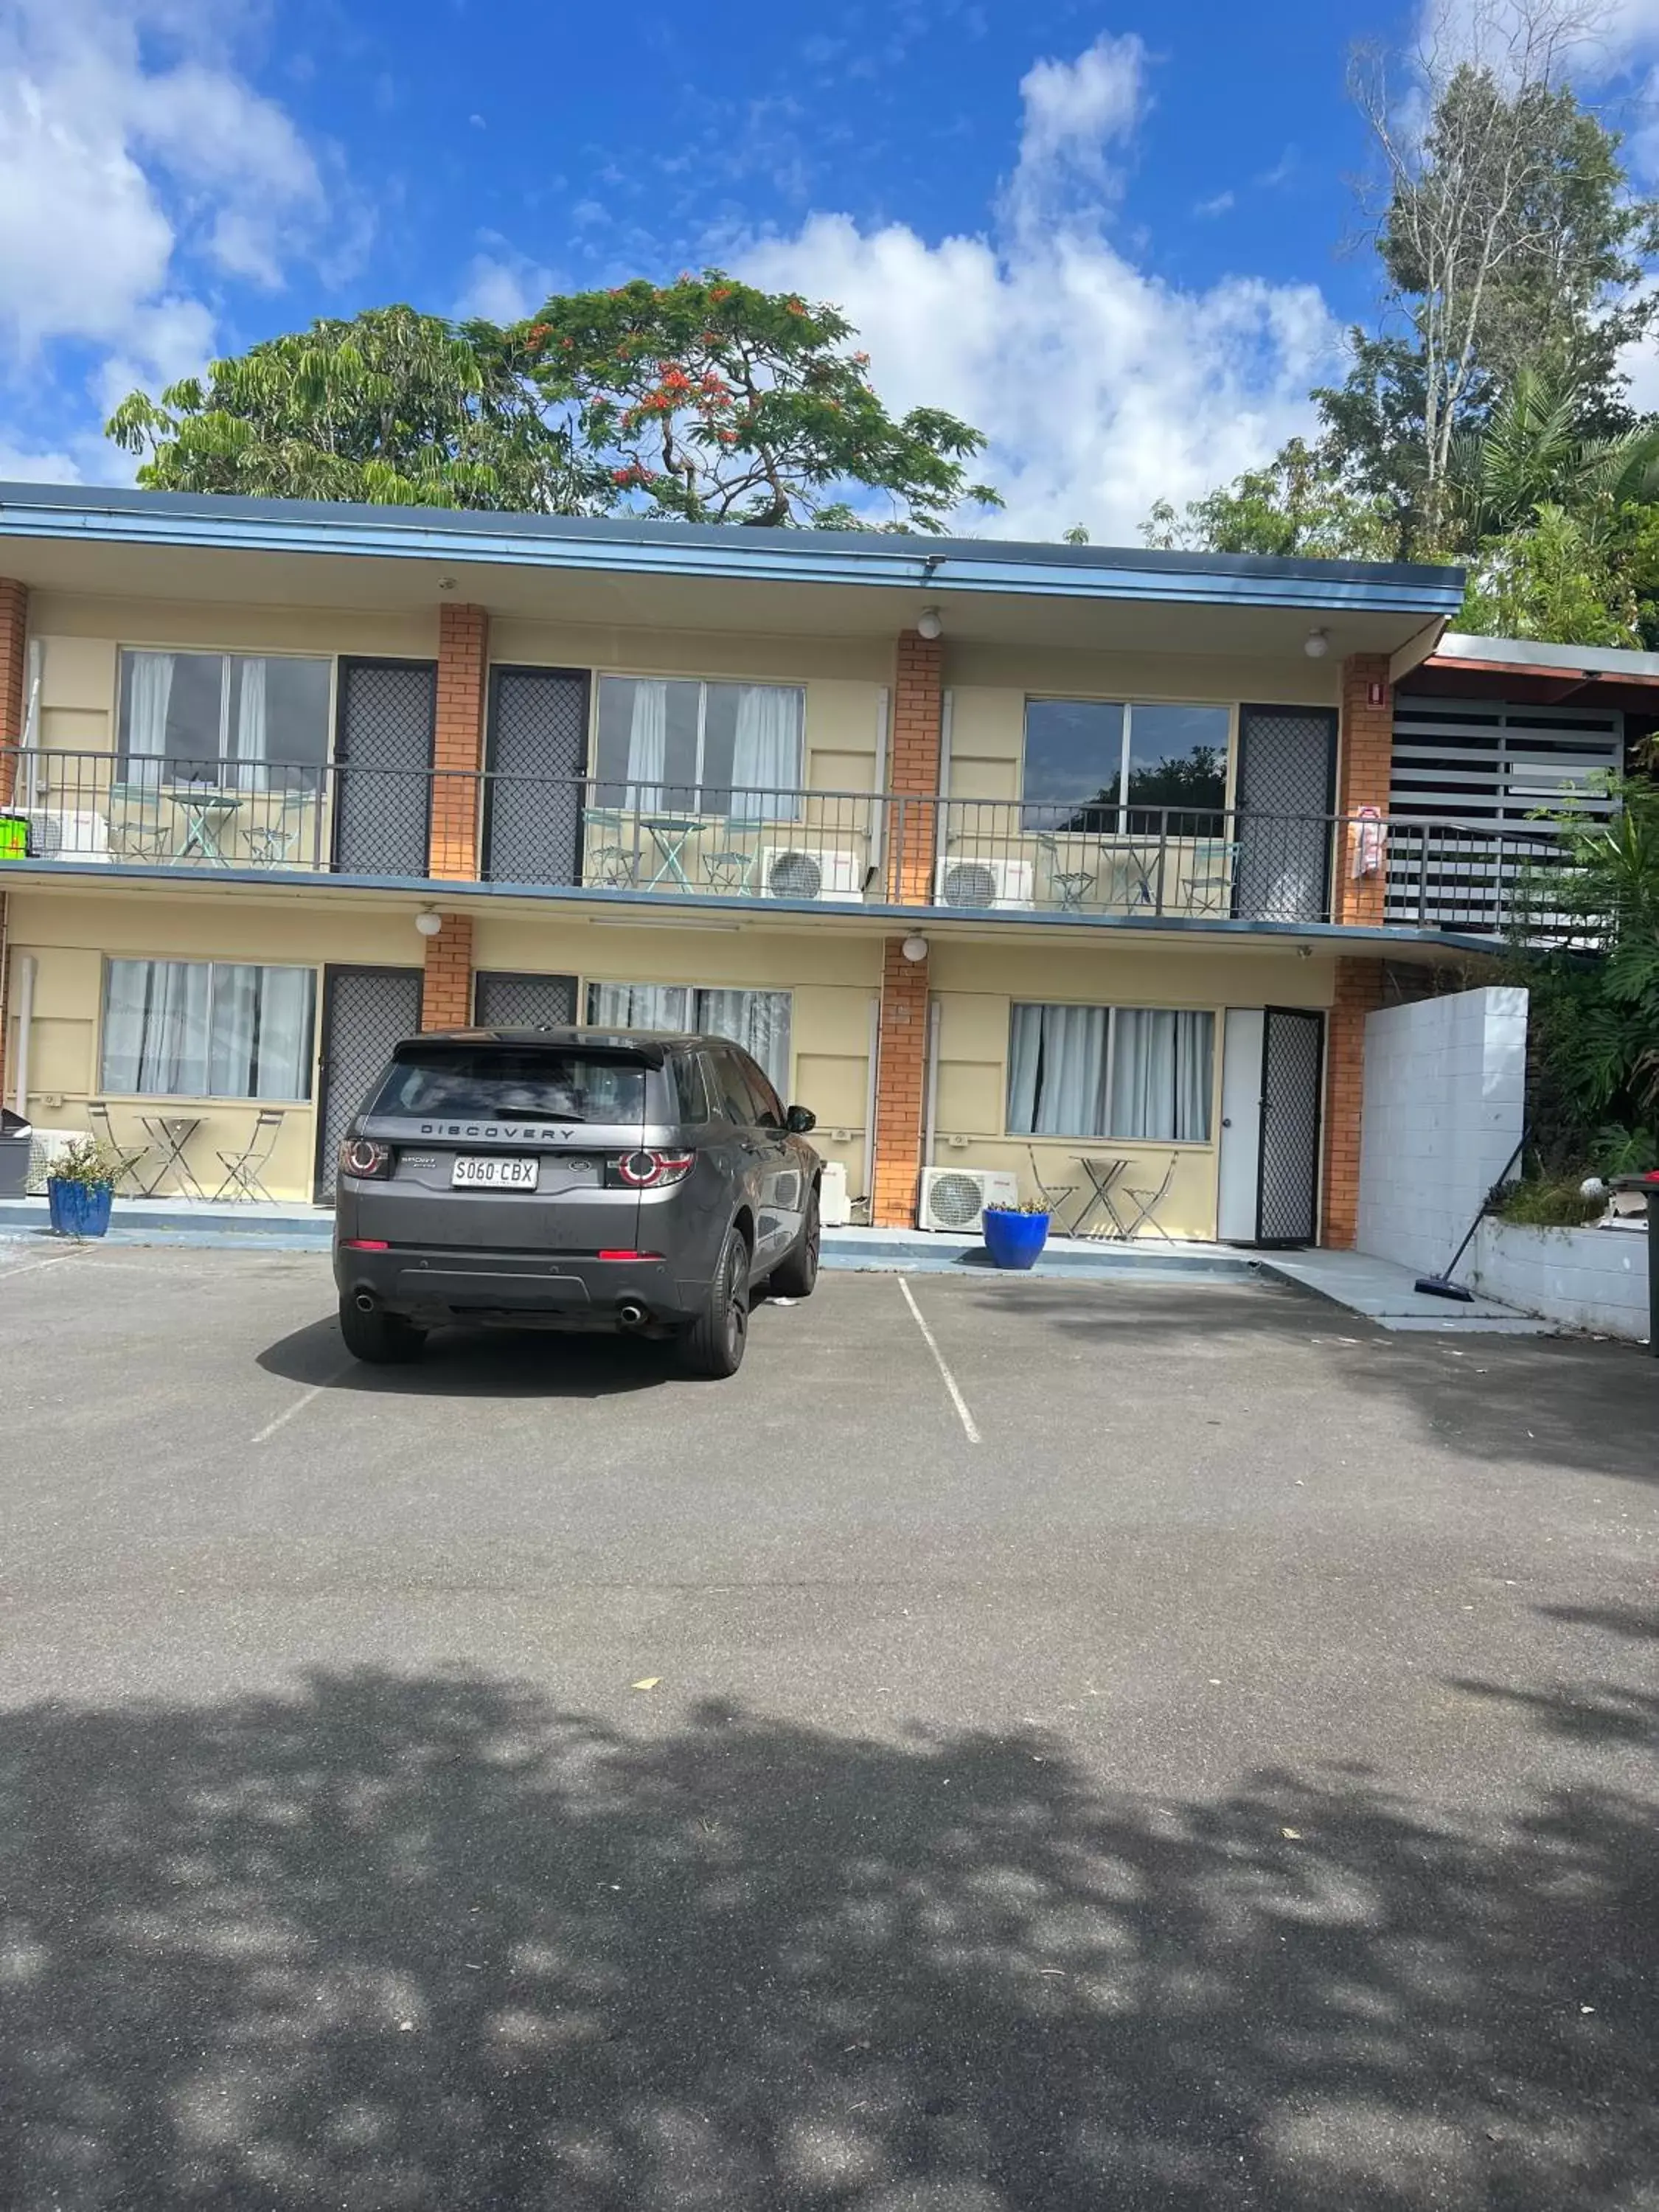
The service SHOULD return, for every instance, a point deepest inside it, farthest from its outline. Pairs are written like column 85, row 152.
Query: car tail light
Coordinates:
column 367, row 1160
column 630, row 1255
column 644, row 1170
column 366, row 1244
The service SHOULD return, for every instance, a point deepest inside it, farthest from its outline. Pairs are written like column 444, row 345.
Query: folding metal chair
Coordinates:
column 243, row 1169
column 104, row 1129
column 1054, row 1194
column 1147, row 1203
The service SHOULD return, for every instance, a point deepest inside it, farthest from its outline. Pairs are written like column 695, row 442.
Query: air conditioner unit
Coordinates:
column 66, row 836
column 963, row 881
column 807, row 872
column 954, row 1199
column 834, row 1210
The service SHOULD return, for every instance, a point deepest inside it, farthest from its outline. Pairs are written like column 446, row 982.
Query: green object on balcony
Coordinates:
column 14, row 837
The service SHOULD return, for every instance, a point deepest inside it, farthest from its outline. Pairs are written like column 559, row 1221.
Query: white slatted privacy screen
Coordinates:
column 1468, row 777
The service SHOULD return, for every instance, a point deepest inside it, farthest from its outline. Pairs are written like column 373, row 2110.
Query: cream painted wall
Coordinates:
column 975, row 986
column 833, row 979
column 990, row 684
column 845, row 680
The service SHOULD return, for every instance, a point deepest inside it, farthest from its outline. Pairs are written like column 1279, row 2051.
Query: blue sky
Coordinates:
column 1120, row 241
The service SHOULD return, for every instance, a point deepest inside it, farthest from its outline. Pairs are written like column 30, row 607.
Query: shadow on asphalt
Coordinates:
column 1562, row 1403
column 433, row 1942
column 1592, row 1712
column 485, row 1363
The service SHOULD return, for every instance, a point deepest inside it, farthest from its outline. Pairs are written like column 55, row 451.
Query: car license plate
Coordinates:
column 494, row 1171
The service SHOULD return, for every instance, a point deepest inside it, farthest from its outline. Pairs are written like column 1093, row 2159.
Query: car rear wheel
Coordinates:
column 796, row 1274
column 382, row 1340
column 714, row 1345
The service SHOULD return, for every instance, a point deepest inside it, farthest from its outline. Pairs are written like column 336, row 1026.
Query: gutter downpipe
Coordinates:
column 25, row 972
column 870, row 1097
column 930, row 1132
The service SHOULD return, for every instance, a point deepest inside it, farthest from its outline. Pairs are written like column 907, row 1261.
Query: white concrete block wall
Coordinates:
column 1444, row 1098
column 1590, row 1279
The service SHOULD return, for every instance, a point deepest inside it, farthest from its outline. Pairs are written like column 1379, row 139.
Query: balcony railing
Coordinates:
column 828, row 847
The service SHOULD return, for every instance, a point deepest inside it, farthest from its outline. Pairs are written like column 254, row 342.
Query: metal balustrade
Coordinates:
column 1100, row 861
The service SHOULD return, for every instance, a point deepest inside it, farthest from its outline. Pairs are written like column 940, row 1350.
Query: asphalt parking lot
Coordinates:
column 1017, row 1746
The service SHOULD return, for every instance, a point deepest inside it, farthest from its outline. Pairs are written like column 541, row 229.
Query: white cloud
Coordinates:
column 501, row 284
column 1101, row 386
column 1074, row 112
column 137, row 164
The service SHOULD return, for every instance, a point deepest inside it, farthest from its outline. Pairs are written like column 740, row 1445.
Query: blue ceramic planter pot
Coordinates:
column 79, row 1209
column 1014, row 1240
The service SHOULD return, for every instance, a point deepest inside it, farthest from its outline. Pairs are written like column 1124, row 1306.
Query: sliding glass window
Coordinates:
column 1108, row 768
column 1141, row 1073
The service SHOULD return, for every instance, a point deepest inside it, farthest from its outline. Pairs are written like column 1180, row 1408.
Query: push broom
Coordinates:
column 1442, row 1285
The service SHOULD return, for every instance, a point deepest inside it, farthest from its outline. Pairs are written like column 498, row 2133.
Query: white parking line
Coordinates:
column 928, row 1339
column 33, row 1267
column 302, row 1401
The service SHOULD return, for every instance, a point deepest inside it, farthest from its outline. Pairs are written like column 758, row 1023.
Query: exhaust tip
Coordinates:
column 631, row 1314
column 363, row 1302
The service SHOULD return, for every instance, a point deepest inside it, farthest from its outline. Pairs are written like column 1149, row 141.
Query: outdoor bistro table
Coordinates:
column 671, row 837
column 1102, row 1174
column 1647, row 1185
column 169, row 1133
column 207, row 812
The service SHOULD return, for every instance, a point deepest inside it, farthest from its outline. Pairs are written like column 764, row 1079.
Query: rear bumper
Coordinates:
column 433, row 1285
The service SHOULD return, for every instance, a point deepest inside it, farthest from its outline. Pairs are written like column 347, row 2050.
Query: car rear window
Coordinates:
column 524, row 1085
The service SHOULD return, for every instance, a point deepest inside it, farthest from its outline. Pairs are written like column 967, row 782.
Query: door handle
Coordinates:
column 1227, row 1122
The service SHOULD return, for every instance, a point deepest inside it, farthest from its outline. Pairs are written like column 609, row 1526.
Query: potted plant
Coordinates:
column 80, row 1188
column 1015, row 1235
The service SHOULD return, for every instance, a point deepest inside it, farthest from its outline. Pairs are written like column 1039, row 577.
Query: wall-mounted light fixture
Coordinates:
column 929, row 622
column 914, row 948
column 428, row 923
column 1317, row 644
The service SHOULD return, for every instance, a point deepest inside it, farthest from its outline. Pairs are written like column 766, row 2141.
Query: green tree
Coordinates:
column 1550, row 579
column 705, row 399
column 714, row 401
column 392, row 407
column 1298, row 504
column 1532, row 452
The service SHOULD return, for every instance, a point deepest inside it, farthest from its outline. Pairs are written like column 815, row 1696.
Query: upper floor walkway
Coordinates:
column 662, row 846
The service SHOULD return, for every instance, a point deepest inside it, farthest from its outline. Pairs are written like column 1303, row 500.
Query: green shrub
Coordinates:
column 1549, row 1202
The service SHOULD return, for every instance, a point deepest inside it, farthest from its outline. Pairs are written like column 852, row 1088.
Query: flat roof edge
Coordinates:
column 638, row 547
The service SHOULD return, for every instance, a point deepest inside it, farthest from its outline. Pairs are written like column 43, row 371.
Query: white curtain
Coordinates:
column 758, row 1021
column 638, row 1005
column 155, row 1028
column 648, row 746
column 1161, row 1074
column 766, row 765
column 1057, row 1072
column 148, row 690
column 261, row 1045
column 252, row 726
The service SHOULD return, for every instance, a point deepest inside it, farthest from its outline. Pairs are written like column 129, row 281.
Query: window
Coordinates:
column 1103, row 767
column 1136, row 1072
column 528, row 1082
column 207, row 1029
column 667, row 746
column 690, row 1093
column 757, row 1020
column 224, row 718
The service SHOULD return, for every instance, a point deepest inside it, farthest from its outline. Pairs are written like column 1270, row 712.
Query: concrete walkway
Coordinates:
column 1378, row 1289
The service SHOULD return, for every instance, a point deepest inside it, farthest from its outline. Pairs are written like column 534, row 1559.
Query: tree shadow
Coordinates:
column 1553, row 1402
column 433, row 1942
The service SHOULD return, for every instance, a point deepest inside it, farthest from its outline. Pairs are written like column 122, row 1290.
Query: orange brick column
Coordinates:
column 13, row 633
column 446, row 994
column 1359, row 991
column 901, row 1076
column 458, row 749
column 912, row 770
column 1365, row 761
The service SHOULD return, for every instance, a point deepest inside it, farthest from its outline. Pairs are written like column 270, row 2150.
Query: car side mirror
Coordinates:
column 799, row 1120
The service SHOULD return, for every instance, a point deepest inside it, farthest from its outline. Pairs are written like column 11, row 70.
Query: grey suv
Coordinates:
column 572, row 1179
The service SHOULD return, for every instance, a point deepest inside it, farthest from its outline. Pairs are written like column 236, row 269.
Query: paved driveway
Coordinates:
column 1092, row 1747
